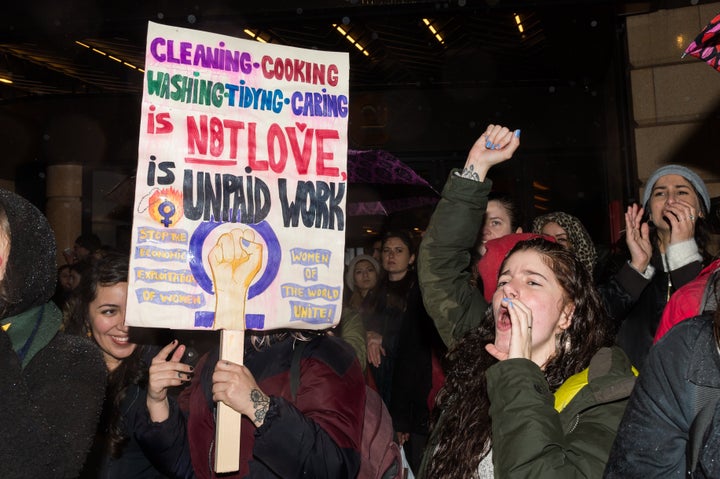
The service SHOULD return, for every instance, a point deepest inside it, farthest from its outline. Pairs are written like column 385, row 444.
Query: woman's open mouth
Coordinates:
column 502, row 321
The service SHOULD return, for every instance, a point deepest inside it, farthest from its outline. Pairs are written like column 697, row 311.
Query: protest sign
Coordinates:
column 241, row 184
column 239, row 213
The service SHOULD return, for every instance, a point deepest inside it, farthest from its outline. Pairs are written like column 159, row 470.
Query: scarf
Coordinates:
column 32, row 330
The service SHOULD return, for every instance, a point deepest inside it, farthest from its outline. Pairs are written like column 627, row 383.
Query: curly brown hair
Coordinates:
column 461, row 422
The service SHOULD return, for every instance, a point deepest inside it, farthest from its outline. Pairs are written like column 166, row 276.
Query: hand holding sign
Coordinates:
column 235, row 261
column 235, row 385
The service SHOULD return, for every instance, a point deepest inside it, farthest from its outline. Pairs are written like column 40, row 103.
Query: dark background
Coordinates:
column 563, row 81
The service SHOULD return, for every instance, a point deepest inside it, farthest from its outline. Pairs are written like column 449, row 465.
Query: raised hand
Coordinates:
column 681, row 216
column 637, row 237
column 496, row 145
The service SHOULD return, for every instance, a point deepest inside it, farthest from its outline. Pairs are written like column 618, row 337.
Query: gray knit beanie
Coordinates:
column 683, row 171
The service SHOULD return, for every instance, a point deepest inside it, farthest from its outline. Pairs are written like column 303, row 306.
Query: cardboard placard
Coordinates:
column 239, row 135
column 239, row 213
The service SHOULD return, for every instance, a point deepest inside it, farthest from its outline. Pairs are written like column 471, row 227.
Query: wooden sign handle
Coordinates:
column 227, row 423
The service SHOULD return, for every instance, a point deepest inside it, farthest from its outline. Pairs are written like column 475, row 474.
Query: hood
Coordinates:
column 31, row 269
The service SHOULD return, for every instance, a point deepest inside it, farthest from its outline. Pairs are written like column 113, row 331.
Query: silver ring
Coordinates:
column 179, row 374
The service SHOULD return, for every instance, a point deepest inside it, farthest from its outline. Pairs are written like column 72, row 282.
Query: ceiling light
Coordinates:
column 435, row 32
column 114, row 58
column 256, row 36
column 351, row 39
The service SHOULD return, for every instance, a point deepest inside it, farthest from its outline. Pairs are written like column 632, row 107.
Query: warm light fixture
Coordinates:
column 6, row 80
column 254, row 36
column 114, row 58
column 350, row 39
column 680, row 40
column 434, row 31
column 518, row 21
column 540, row 186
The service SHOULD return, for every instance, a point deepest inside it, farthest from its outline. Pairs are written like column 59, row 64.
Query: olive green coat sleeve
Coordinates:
column 444, row 258
column 352, row 331
column 532, row 440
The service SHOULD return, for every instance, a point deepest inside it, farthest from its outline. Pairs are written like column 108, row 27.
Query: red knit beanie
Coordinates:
column 496, row 249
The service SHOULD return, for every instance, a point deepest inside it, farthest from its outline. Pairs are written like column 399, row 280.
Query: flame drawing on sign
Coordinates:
column 165, row 206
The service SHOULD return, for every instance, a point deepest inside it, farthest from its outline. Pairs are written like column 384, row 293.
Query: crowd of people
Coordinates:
column 499, row 350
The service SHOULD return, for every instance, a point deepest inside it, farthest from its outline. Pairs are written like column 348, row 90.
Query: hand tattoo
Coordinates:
column 470, row 173
column 261, row 403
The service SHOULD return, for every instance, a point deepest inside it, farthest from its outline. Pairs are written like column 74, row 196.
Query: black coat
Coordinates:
column 653, row 435
column 418, row 340
column 636, row 304
column 50, row 408
column 136, row 460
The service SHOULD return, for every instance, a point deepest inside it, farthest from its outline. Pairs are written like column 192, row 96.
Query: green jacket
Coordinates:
column 452, row 302
column 532, row 440
column 352, row 330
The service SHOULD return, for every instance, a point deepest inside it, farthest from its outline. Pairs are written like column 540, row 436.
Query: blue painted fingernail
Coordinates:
column 517, row 133
column 488, row 144
column 245, row 242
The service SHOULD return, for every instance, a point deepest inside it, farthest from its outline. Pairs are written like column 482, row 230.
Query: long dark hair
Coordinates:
column 107, row 269
column 461, row 419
